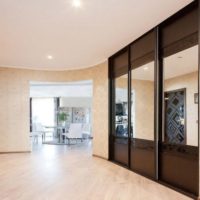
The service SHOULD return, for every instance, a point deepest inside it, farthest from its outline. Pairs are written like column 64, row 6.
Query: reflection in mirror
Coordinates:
column 121, row 106
column 142, row 113
column 181, row 98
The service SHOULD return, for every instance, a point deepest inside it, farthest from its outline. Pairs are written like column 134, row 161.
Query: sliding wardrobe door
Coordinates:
column 142, row 149
column 120, row 109
column 179, row 138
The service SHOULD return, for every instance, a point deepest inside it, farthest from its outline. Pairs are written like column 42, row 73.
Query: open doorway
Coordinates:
column 61, row 113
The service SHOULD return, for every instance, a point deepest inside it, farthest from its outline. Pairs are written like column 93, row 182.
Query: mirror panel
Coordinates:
column 142, row 105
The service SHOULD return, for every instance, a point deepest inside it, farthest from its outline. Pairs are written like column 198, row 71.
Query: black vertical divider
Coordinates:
column 198, row 93
column 57, row 105
column 160, row 104
column 110, row 108
column 129, row 107
column 113, row 112
column 58, row 102
column 156, row 100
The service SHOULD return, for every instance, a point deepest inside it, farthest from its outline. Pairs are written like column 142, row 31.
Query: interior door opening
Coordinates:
column 61, row 113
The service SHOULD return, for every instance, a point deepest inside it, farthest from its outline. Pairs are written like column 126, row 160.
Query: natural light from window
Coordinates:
column 43, row 111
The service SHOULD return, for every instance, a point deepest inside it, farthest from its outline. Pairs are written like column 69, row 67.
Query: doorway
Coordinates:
column 61, row 112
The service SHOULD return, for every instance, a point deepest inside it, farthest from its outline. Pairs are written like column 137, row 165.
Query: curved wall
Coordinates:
column 14, row 105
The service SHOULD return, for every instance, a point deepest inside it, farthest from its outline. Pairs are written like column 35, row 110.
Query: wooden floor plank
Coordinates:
column 72, row 173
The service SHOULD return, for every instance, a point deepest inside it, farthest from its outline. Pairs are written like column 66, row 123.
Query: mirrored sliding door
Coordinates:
column 179, row 139
column 142, row 105
column 120, row 129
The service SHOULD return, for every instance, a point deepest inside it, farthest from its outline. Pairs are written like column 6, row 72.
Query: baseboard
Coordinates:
column 12, row 152
column 99, row 156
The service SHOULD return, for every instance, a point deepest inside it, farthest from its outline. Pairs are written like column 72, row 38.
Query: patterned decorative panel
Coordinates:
column 175, row 117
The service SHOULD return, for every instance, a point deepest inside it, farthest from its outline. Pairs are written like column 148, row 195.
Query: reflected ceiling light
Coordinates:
column 145, row 68
column 50, row 57
column 76, row 3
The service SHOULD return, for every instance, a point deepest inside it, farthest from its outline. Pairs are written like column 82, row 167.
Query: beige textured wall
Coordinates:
column 190, row 82
column 14, row 101
column 144, row 107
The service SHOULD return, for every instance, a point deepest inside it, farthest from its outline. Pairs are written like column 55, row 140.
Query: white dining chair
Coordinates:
column 75, row 132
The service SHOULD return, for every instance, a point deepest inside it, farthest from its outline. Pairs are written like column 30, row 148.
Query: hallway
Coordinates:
column 72, row 173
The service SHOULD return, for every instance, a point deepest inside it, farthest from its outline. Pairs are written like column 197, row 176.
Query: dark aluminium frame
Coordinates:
column 158, row 98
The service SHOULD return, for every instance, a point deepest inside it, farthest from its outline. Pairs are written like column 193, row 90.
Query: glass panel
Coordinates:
column 142, row 120
column 181, row 98
column 180, row 136
column 142, row 105
column 121, row 106
column 142, row 112
column 178, row 153
column 120, row 130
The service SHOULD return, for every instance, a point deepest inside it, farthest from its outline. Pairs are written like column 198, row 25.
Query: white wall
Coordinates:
column 76, row 102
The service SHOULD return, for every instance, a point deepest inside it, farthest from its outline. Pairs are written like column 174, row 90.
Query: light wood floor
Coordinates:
column 71, row 173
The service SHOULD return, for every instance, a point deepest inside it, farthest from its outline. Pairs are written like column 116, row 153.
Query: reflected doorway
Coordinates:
column 175, row 109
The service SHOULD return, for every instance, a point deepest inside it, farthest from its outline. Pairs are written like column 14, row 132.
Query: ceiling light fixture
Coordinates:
column 145, row 68
column 76, row 3
column 49, row 57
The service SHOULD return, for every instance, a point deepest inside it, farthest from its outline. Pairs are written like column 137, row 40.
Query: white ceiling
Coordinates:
column 30, row 30
column 181, row 63
column 61, row 89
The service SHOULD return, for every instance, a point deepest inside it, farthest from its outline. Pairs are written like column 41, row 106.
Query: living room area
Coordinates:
column 61, row 112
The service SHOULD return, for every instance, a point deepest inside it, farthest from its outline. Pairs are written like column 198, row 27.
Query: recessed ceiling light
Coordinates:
column 76, row 3
column 50, row 57
column 145, row 68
